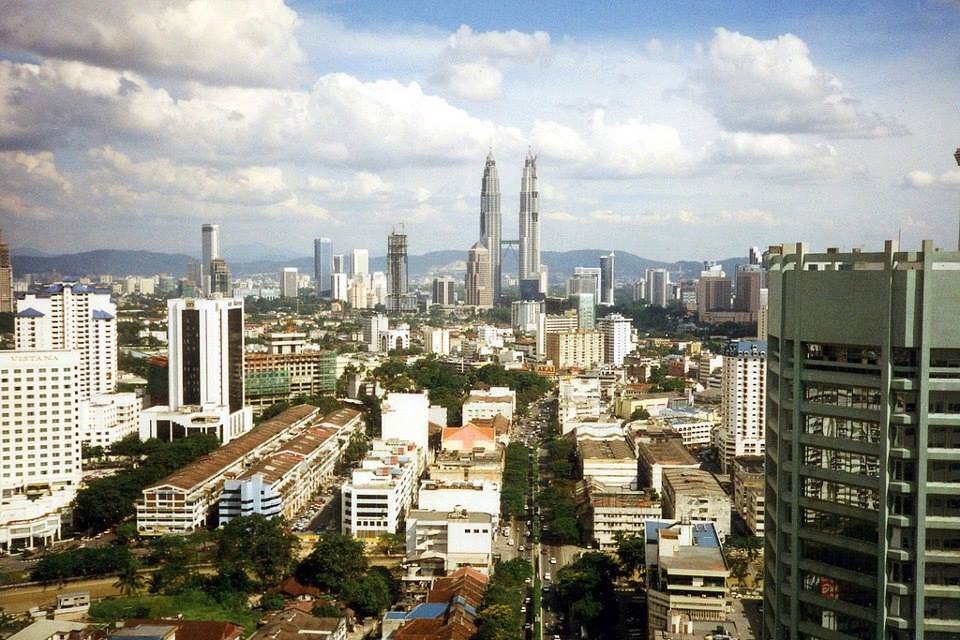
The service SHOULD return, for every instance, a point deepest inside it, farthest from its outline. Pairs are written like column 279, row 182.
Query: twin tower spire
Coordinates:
column 491, row 226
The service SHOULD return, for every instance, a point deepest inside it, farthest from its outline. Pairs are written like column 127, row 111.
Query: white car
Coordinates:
column 553, row 560
column 509, row 543
column 546, row 576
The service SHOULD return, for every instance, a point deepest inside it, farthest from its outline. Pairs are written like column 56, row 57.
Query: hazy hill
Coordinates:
column 123, row 262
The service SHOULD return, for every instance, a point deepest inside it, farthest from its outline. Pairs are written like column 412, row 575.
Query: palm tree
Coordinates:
column 129, row 581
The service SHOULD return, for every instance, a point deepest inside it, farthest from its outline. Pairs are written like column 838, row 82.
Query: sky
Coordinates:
column 685, row 130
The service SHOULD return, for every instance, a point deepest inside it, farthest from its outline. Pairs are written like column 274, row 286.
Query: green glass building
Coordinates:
column 863, row 445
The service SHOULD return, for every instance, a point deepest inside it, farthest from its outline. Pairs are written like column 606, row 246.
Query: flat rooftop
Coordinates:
column 665, row 452
column 606, row 449
column 218, row 461
column 693, row 481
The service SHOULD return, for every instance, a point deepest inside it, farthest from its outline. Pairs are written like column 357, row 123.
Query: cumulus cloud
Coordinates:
column 778, row 155
column 246, row 42
column 252, row 185
column 469, row 65
column 33, row 184
column 926, row 180
column 362, row 185
column 340, row 120
column 618, row 149
column 478, row 81
column 467, row 44
column 773, row 86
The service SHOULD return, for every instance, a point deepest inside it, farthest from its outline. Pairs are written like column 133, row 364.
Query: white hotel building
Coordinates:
column 39, row 445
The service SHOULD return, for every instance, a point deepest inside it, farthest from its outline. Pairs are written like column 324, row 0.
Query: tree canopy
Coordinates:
column 256, row 545
column 335, row 559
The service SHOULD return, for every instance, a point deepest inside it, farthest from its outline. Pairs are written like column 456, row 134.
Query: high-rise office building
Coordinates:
column 220, row 282
column 398, row 297
column 339, row 263
column 6, row 278
column 616, row 331
column 69, row 315
column 862, row 528
column 322, row 265
column 606, row 280
column 444, row 291
column 657, row 287
column 358, row 296
column 372, row 326
column 289, row 287
column 530, row 266
column 714, row 290
column 479, row 290
column 195, row 273
column 749, row 283
column 755, row 256
column 210, row 250
column 525, row 314
column 359, row 262
column 205, row 351
column 585, row 304
column 340, row 285
column 39, row 443
column 639, row 291
column 491, row 223
column 743, row 401
column 584, row 280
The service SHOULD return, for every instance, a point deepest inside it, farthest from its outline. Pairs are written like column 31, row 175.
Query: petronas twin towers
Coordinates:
column 532, row 273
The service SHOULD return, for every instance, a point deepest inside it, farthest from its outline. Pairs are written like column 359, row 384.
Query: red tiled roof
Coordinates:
column 193, row 629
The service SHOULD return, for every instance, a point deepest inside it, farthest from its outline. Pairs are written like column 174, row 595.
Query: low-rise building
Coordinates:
column 109, row 417
column 475, row 497
column 184, row 501
column 449, row 613
column 578, row 399
column 611, row 461
column 381, row 490
column 276, row 377
column 652, row 403
column 748, row 489
column 459, row 538
column 175, row 629
column 612, row 511
column 484, row 405
column 694, row 495
column 656, row 457
column 469, row 437
column 686, row 580
column 282, row 483
column 293, row 624
column 694, row 426
column 468, row 466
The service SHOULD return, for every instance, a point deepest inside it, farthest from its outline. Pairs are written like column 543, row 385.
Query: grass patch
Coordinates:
column 192, row 605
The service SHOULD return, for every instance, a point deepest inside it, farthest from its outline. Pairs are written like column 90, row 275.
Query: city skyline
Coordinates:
column 754, row 127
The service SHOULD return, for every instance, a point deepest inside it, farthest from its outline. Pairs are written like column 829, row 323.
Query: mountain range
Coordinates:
column 120, row 262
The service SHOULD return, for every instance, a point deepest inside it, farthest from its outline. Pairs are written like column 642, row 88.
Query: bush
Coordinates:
column 271, row 601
